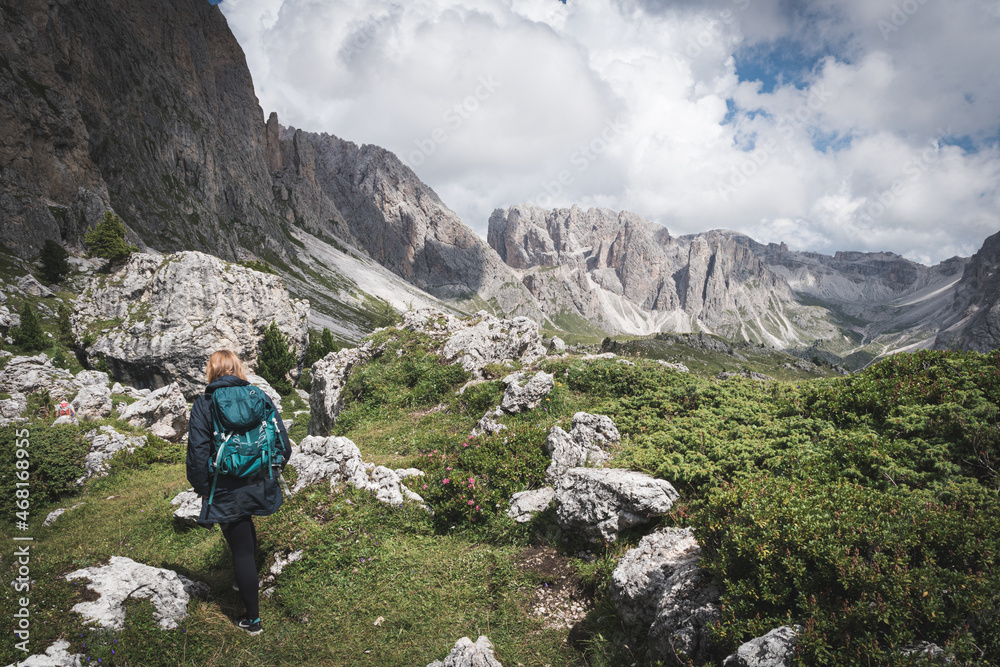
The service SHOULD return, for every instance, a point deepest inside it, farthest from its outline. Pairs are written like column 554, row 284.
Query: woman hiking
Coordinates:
column 234, row 489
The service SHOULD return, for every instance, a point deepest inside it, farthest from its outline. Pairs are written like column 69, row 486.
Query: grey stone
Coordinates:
column 582, row 447
column 123, row 578
column 557, row 346
column 105, row 442
column 329, row 375
column 91, row 378
column 596, row 503
column 30, row 286
column 775, row 649
column 56, row 655
column 13, row 407
column 164, row 412
column 267, row 582
column 93, row 402
column 928, row 654
column 526, row 504
column 523, row 393
column 467, row 653
column 51, row 517
column 26, row 375
column 487, row 425
column 337, row 460
column 188, row 504
column 178, row 309
column 8, row 320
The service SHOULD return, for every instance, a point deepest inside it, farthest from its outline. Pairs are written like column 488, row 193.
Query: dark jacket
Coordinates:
column 235, row 497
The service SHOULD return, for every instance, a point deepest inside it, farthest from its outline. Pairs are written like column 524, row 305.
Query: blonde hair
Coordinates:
column 224, row 362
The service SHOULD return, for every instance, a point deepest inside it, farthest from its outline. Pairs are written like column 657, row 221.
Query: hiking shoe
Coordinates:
column 251, row 626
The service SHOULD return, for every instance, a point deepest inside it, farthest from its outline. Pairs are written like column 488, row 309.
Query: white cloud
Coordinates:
column 623, row 103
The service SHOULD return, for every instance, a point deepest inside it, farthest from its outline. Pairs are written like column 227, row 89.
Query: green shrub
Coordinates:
column 28, row 335
column 65, row 326
column 107, row 239
column 473, row 483
column 276, row 358
column 479, row 398
column 54, row 462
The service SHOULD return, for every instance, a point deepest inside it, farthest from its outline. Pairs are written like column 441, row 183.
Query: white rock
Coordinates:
column 13, row 407
column 467, row 653
column 775, row 649
column 176, row 310
column 582, row 447
column 526, row 504
column 266, row 583
column 105, row 442
column 26, row 375
column 188, row 504
column 55, row 514
column 597, row 503
column 329, row 375
column 93, row 401
column 123, row 578
column 29, row 285
column 522, row 393
column 404, row 473
column 90, row 378
column 487, row 425
column 557, row 346
column 164, row 412
column 57, row 655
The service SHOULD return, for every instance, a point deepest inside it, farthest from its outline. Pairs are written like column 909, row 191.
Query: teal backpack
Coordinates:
column 246, row 434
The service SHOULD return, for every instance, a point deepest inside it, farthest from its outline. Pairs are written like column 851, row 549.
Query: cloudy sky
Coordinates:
column 829, row 125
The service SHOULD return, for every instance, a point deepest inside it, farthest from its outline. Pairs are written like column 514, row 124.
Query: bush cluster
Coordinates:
column 55, row 461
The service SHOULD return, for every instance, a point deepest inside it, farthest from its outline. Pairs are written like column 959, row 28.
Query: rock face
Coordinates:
column 526, row 504
column 105, row 442
column 378, row 204
column 150, row 110
column 164, row 412
column 976, row 324
column 660, row 585
column 338, row 461
column 582, row 447
column 12, row 409
column 775, row 649
column 480, row 340
column 26, row 375
column 123, row 578
column 93, row 401
column 328, row 376
column 157, row 319
column 467, row 653
column 597, row 503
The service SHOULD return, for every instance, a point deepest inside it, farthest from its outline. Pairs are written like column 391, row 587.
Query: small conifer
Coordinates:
column 276, row 358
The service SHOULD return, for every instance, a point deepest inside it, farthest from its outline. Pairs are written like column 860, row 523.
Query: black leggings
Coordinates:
column 242, row 539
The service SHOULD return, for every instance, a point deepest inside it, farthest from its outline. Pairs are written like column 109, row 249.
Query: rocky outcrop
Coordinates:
column 336, row 460
column 93, row 401
column 598, row 503
column 148, row 109
column 26, row 375
column 775, row 649
column 105, row 442
column 582, row 447
column 467, row 653
column 480, row 340
column 12, row 409
column 659, row 585
column 157, row 319
column 328, row 377
column 526, row 504
column 521, row 393
column 188, row 504
column 123, row 578
column 164, row 412
column 366, row 195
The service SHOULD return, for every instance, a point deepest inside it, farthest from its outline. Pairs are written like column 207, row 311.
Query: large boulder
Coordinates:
column 29, row 285
column 164, row 412
column 582, row 447
column 26, row 375
column 522, row 393
column 105, row 442
column 597, row 503
column 337, row 460
column 467, row 653
column 480, row 340
column 12, row 409
column 123, row 578
column 660, row 586
column 93, row 401
column 775, row 649
column 328, row 376
column 158, row 318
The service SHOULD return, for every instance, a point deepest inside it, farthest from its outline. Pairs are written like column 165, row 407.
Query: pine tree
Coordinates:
column 54, row 264
column 65, row 326
column 107, row 239
column 319, row 346
column 29, row 333
column 276, row 358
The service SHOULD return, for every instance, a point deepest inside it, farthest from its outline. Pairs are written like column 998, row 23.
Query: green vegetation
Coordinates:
column 28, row 334
column 276, row 358
column 320, row 345
column 107, row 239
column 53, row 258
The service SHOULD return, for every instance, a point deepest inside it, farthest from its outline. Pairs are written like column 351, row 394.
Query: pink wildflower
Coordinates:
column 471, row 503
column 448, row 468
column 425, row 486
column 445, row 480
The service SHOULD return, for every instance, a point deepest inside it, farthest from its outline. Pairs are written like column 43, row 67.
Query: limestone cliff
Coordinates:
column 976, row 321
column 147, row 108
